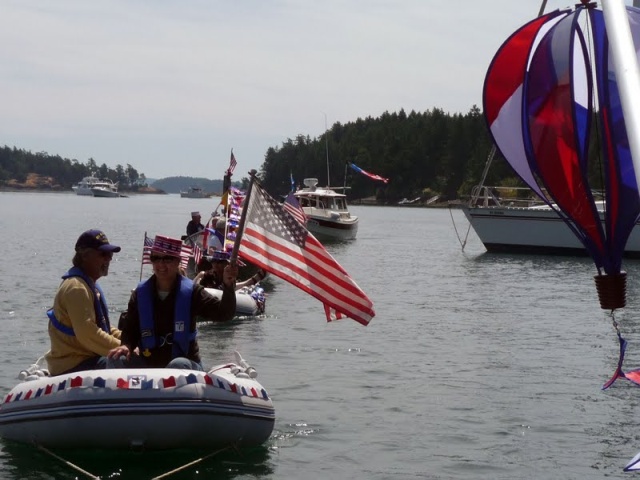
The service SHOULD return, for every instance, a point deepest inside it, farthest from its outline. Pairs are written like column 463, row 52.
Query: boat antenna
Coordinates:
column 344, row 185
column 542, row 7
column 326, row 140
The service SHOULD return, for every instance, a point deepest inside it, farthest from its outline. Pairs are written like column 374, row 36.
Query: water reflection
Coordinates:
column 26, row 462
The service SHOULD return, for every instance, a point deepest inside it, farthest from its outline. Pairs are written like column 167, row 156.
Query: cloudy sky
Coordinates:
column 170, row 86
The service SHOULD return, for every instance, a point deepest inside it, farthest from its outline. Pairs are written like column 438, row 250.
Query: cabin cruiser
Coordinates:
column 194, row 192
column 328, row 217
column 95, row 187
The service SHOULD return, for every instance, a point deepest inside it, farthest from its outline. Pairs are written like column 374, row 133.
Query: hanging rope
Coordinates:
column 466, row 237
column 190, row 464
column 68, row 463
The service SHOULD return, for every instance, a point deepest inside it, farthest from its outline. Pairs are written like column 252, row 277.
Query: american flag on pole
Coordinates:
column 232, row 163
column 146, row 250
column 186, row 251
column 276, row 242
column 197, row 254
column 292, row 206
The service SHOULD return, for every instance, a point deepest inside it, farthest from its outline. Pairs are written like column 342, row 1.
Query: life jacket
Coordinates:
column 182, row 336
column 99, row 305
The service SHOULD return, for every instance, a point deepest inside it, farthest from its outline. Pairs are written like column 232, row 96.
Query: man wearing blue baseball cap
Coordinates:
column 79, row 328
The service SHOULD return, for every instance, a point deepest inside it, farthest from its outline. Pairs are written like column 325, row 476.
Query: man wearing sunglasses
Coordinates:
column 160, row 321
column 79, row 328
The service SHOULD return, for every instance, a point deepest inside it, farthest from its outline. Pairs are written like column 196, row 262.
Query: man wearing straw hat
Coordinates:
column 160, row 320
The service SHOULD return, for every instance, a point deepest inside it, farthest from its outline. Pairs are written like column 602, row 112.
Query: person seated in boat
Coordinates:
column 79, row 329
column 215, row 242
column 195, row 225
column 211, row 270
column 161, row 315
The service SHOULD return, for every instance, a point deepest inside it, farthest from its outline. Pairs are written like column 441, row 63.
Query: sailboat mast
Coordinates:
column 627, row 72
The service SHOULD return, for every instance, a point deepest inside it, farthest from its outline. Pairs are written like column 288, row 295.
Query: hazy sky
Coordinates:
column 170, row 86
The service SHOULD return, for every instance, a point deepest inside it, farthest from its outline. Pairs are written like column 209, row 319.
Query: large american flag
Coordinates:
column 276, row 242
column 292, row 206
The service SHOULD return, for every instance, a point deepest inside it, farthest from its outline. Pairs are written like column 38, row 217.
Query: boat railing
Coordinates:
column 516, row 197
column 487, row 196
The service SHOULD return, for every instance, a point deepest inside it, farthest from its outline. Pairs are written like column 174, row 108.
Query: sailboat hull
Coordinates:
column 532, row 231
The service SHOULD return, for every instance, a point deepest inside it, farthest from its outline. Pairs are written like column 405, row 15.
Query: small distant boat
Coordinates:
column 194, row 192
column 143, row 408
column 95, row 187
column 328, row 216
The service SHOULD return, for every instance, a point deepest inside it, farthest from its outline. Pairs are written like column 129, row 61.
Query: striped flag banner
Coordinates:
column 276, row 242
column 367, row 174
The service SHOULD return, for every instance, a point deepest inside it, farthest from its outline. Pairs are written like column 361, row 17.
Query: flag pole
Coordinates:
column 236, row 244
column 142, row 257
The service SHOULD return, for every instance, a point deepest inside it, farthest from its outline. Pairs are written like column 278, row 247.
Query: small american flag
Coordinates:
column 186, row 251
column 292, row 206
column 232, row 163
column 146, row 250
column 276, row 242
column 197, row 254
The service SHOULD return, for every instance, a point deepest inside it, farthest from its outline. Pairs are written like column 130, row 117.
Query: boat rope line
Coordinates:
column 633, row 375
column 190, row 464
column 67, row 462
column 466, row 237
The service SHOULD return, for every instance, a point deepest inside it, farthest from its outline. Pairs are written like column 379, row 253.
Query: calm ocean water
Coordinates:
column 476, row 366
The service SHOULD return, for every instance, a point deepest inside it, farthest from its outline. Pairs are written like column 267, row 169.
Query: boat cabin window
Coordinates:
column 340, row 204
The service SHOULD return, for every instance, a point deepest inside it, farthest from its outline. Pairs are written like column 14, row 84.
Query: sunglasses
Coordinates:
column 167, row 259
column 108, row 255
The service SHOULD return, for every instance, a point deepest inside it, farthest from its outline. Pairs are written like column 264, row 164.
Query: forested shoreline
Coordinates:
column 422, row 154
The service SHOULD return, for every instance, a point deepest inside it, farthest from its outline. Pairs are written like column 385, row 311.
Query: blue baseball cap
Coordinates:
column 96, row 239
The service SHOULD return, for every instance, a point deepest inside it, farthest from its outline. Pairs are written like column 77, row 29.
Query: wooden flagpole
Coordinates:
column 236, row 244
column 142, row 257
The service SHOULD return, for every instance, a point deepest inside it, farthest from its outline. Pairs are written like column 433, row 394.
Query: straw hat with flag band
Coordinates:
column 166, row 246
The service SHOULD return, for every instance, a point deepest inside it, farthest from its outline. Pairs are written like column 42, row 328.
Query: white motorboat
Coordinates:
column 105, row 188
column 153, row 409
column 95, row 187
column 328, row 216
column 503, row 226
column 194, row 192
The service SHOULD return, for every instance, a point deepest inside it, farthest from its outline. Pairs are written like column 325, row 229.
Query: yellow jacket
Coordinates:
column 74, row 307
